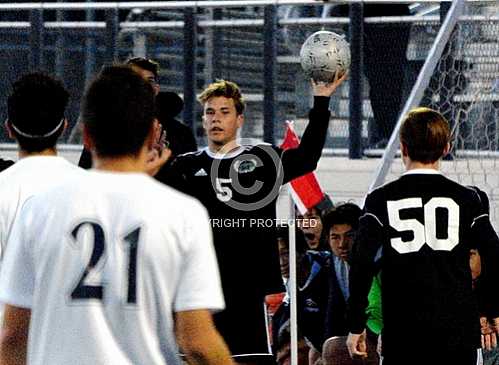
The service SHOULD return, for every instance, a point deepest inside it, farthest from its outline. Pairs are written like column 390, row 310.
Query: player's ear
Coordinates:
column 446, row 149
column 9, row 130
column 65, row 124
column 240, row 120
column 403, row 149
column 87, row 140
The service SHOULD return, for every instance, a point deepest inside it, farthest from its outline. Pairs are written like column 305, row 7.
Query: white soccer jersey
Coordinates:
column 103, row 261
column 24, row 179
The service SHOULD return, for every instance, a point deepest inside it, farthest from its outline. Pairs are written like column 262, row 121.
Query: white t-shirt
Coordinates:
column 27, row 177
column 103, row 261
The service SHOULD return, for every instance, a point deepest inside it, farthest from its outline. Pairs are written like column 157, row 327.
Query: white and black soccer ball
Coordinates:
column 324, row 53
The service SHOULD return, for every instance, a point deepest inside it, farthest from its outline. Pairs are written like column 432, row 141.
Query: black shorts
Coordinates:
column 244, row 327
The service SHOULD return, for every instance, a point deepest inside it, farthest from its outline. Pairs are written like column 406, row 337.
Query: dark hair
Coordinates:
column 118, row 110
column 145, row 64
column 168, row 105
column 300, row 241
column 346, row 213
column 425, row 133
column 35, row 111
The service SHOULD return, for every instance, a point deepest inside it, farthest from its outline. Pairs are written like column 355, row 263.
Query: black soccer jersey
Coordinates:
column 5, row 164
column 425, row 225
column 240, row 189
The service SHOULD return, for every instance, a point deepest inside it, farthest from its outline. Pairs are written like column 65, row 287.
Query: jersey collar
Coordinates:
column 235, row 152
column 422, row 171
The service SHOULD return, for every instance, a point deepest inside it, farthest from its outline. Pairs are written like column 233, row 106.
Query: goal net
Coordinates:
column 464, row 86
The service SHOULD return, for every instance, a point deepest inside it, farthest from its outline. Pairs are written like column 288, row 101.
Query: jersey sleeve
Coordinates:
column 173, row 174
column 199, row 285
column 298, row 161
column 487, row 242
column 17, row 277
column 363, row 267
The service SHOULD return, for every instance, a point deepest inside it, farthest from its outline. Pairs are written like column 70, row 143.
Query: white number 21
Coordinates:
column 427, row 232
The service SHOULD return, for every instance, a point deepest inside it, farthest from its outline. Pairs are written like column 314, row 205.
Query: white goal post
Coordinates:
column 460, row 79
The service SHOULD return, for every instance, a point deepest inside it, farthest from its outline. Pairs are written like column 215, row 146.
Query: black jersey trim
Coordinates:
column 372, row 215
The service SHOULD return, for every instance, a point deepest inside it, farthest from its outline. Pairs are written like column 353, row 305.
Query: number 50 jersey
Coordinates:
column 424, row 225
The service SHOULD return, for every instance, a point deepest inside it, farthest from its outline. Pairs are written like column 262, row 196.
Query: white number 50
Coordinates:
column 424, row 233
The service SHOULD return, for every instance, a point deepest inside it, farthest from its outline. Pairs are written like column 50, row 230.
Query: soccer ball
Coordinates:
column 324, row 53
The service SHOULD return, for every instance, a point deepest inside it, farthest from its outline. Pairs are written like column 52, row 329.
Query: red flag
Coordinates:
column 305, row 190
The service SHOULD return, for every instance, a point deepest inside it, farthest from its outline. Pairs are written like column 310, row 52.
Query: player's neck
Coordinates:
column 45, row 152
column 119, row 164
column 223, row 148
column 412, row 165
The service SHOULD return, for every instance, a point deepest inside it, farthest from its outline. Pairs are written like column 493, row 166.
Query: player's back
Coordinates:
column 427, row 223
column 113, row 257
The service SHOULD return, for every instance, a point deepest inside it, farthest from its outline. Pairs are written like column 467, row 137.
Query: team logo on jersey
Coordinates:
column 245, row 166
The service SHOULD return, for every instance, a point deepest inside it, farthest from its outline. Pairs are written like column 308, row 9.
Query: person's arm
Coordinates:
column 487, row 243
column 173, row 174
column 362, row 270
column 199, row 340
column 14, row 335
column 303, row 159
column 16, row 288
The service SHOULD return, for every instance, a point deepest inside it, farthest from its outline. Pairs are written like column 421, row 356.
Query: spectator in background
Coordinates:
column 180, row 137
column 301, row 248
column 310, row 224
column 341, row 226
column 168, row 105
column 385, row 64
column 282, row 346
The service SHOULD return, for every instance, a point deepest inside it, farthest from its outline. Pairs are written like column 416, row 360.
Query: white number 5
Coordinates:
column 427, row 232
column 224, row 193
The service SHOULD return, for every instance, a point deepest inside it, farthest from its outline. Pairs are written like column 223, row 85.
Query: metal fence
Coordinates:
column 195, row 42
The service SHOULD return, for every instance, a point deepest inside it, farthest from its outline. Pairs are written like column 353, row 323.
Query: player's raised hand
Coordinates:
column 495, row 324
column 321, row 88
column 159, row 152
column 357, row 346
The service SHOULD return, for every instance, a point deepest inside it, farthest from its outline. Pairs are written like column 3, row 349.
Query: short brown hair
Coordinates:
column 425, row 133
column 226, row 89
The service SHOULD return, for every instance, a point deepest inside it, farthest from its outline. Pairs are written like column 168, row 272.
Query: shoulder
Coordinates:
column 190, row 155
column 380, row 192
column 321, row 257
column 264, row 150
column 188, row 160
column 171, row 199
column 14, row 175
